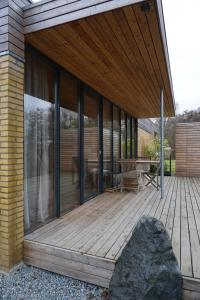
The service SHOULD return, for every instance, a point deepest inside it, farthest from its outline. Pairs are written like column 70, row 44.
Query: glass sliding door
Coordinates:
column 123, row 135
column 91, row 162
column 128, row 136
column 107, row 153
column 133, row 137
column 39, row 204
column 69, row 143
column 116, row 144
column 65, row 133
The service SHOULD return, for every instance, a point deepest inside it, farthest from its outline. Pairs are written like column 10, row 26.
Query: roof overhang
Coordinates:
column 117, row 47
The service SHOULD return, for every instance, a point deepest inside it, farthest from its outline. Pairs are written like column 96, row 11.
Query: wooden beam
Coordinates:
column 52, row 14
column 12, row 27
column 165, row 46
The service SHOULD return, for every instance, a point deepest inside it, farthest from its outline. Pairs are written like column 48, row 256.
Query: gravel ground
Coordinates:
column 29, row 283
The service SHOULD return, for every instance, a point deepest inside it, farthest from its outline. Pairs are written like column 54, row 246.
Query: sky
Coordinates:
column 183, row 31
column 183, row 36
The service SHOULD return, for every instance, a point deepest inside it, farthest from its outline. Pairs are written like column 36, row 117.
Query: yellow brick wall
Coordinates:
column 144, row 138
column 11, row 161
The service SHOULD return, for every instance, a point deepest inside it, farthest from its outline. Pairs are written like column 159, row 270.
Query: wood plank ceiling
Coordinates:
column 119, row 53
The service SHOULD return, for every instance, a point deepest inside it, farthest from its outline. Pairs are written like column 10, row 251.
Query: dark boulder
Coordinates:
column 147, row 268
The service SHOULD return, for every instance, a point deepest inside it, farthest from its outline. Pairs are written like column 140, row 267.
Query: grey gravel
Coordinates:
column 30, row 283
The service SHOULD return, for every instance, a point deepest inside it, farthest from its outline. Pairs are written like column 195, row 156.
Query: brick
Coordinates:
column 11, row 161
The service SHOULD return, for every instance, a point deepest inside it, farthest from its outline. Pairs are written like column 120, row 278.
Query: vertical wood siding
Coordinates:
column 188, row 149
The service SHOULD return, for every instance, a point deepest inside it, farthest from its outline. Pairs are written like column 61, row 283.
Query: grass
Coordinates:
column 173, row 165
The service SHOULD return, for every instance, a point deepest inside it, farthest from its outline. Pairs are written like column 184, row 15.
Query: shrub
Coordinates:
column 152, row 149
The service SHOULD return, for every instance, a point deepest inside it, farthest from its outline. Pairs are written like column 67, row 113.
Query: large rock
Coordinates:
column 147, row 268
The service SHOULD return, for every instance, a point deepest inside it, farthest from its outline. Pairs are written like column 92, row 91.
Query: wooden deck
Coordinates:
column 86, row 243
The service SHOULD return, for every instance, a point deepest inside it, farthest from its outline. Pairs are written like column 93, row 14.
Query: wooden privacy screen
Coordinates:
column 188, row 149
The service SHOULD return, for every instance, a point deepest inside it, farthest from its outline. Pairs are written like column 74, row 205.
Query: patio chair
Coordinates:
column 142, row 170
column 152, row 174
column 129, row 175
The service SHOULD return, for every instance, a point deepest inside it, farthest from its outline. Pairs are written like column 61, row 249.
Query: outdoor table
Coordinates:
column 130, row 165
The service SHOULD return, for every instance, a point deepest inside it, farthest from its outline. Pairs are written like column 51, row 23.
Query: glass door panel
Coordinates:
column 107, row 153
column 133, row 139
column 123, row 135
column 69, row 143
column 91, row 144
column 39, row 201
column 116, row 145
column 128, row 137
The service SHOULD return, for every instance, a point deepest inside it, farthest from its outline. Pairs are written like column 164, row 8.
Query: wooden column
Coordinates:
column 11, row 133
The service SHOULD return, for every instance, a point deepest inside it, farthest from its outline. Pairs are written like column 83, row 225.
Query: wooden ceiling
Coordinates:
column 120, row 53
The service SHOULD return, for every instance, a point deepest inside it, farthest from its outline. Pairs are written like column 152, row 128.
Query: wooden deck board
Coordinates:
column 144, row 210
column 194, row 239
column 186, row 263
column 76, row 230
column 118, row 227
column 99, row 226
column 86, row 242
column 176, row 233
column 103, row 230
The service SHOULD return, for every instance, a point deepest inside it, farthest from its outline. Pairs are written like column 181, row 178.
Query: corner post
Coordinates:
column 162, row 143
column 12, row 137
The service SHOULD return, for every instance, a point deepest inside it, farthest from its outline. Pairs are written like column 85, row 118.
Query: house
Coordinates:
column 75, row 77
column 147, row 131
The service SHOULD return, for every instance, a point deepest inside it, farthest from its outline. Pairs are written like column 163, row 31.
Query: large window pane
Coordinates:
column 91, row 144
column 116, row 144
column 38, row 142
column 123, row 135
column 128, row 137
column 133, row 138
column 69, row 145
column 107, row 160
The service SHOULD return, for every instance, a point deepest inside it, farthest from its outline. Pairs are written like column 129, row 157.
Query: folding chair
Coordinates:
column 152, row 177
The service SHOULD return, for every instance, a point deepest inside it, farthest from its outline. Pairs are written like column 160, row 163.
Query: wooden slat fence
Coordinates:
column 188, row 149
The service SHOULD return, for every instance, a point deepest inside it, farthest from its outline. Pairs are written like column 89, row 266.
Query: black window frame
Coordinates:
column 80, row 103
